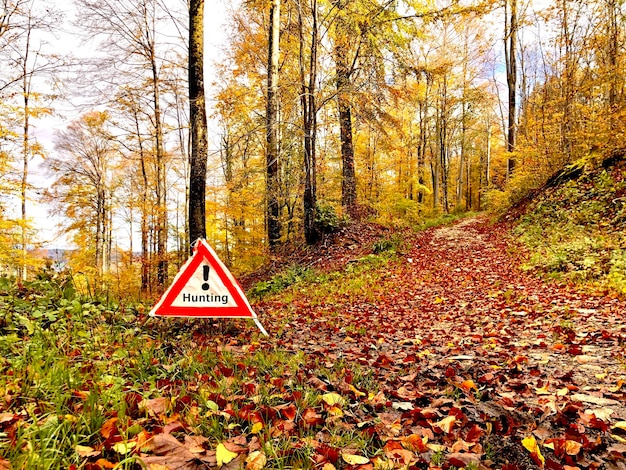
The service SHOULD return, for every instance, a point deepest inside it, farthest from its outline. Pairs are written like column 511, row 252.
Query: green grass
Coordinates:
column 70, row 365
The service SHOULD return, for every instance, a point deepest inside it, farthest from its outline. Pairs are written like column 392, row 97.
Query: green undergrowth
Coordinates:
column 82, row 380
column 356, row 278
column 575, row 232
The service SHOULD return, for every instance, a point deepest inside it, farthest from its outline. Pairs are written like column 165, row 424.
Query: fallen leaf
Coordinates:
column 155, row 406
column 256, row 460
column 86, row 451
column 530, row 444
column 446, row 424
column 468, row 385
column 104, row 463
column 617, row 387
column 601, row 413
column 357, row 393
column 593, row 399
column 109, row 428
column 223, row 455
column 572, row 447
column 157, row 466
column 620, row 425
column 124, row 448
column 543, row 390
column 332, row 399
column 353, row 459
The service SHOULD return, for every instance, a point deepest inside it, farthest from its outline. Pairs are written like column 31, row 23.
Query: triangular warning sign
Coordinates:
column 204, row 287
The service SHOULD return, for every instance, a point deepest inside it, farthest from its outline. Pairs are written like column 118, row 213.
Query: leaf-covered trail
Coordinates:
column 456, row 328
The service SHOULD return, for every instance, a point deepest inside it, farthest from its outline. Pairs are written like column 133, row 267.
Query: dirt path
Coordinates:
column 456, row 327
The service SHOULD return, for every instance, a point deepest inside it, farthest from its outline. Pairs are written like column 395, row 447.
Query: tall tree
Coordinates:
column 199, row 143
column 344, row 69
column 510, row 55
column 83, row 187
column 273, row 146
column 308, row 100
column 131, row 30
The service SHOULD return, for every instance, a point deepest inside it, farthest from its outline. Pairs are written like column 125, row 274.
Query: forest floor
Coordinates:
column 493, row 364
column 387, row 349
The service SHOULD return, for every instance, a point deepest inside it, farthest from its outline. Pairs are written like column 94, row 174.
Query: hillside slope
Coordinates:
column 575, row 227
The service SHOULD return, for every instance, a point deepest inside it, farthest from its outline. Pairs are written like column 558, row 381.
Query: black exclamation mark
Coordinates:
column 205, row 274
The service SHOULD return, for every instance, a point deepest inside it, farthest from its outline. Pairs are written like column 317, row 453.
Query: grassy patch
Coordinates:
column 83, row 382
column 575, row 232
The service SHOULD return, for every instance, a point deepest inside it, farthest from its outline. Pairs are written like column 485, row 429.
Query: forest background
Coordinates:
column 397, row 111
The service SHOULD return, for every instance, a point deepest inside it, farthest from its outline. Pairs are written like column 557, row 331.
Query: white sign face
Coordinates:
column 204, row 289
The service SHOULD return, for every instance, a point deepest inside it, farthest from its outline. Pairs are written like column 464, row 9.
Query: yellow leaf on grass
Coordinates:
column 223, row 455
column 356, row 392
column 124, row 448
column 353, row 459
column 332, row 399
column 530, row 444
column 335, row 411
column 256, row 428
column 86, row 451
column 256, row 460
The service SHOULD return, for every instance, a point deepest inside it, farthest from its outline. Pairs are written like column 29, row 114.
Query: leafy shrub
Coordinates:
column 326, row 219
column 387, row 245
column 281, row 281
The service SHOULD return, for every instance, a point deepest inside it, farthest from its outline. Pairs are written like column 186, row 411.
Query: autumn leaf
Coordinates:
column 332, row 399
column 124, row 448
column 446, row 424
column 468, row 385
column 415, row 443
column 86, row 451
column 256, row 460
column 530, row 444
column 353, row 459
column 545, row 390
column 312, row 417
column 620, row 425
column 223, row 455
column 109, row 428
column 104, row 463
column 572, row 447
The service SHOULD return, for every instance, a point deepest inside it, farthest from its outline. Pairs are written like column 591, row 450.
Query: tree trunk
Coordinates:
column 510, row 46
column 199, row 143
column 344, row 71
column 273, row 148
column 309, row 114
